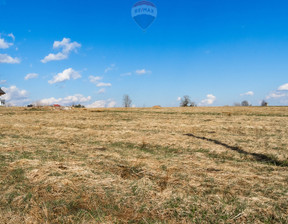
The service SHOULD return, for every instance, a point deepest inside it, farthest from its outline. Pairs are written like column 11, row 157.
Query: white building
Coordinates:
column 2, row 101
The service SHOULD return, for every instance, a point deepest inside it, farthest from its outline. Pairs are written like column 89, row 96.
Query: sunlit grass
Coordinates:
column 142, row 165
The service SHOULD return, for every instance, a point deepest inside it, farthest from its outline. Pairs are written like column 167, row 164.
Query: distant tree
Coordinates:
column 127, row 101
column 264, row 103
column 185, row 101
column 237, row 104
column 78, row 106
column 245, row 103
column 193, row 104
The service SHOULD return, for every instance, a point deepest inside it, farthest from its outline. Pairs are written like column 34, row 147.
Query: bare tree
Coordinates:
column 127, row 101
column 185, row 101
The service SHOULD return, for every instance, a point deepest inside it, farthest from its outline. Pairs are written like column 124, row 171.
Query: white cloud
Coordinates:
column 111, row 103
column 4, row 44
column 67, row 101
column 126, row 74
column 283, row 87
column 67, row 47
column 142, row 72
column 210, row 99
column 249, row 93
column 275, row 95
column 179, row 98
column 5, row 58
column 12, row 36
column 97, row 104
column 94, row 79
column 15, row 96
column 54, row 57
column 103, row 84
column 2, row 82
column 65, row 75
column 279, row 96
column 110, row 68
column 102, row 104
column 31, row 76
column 138, row 72
column 103, row 90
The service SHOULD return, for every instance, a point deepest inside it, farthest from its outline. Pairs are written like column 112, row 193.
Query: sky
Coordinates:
column 92, row 52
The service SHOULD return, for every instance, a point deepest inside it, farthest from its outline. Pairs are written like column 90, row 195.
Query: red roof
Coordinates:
column 56, row 105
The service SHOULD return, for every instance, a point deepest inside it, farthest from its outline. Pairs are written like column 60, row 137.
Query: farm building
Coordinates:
column 2, row 102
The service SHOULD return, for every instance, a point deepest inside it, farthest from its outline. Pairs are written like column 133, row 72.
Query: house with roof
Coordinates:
column 2, row 101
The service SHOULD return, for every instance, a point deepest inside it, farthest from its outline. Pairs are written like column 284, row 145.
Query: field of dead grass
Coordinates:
column 160, row 165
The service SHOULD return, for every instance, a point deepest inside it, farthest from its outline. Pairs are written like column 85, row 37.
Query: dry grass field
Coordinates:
column 143, row 165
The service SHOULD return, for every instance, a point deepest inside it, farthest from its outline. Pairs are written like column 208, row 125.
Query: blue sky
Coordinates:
column 217, row 52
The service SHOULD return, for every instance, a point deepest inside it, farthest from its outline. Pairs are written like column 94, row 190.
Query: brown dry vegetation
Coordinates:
column 164, row 165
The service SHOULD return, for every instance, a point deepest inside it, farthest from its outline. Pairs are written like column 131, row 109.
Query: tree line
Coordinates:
column 187, row 102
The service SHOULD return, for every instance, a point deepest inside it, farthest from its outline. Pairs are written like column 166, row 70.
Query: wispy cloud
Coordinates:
column 142, row 72
column 126, row 74
column 100, row 91
column 137, row 72
column 102, row 103
column 67, row 47
column 110, row 68
column 103, row 84
column 279, row 96
column 249, row 93
column 276, row 95
column 66, row 75
column 12, row 36
column 31, row 76
column 95, row 79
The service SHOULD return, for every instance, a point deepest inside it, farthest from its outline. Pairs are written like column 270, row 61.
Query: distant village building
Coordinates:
column 2, row 102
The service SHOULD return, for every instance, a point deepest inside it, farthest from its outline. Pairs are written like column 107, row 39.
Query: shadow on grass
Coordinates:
column 257, row 156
